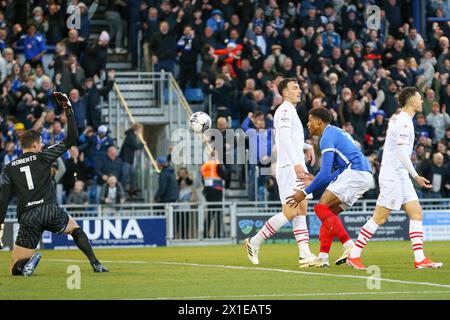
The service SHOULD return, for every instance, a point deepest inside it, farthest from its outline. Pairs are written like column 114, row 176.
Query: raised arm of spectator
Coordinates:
column 39, row 122
column 92, row 9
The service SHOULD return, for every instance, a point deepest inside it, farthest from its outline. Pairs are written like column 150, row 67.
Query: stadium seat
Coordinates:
column 194, row 95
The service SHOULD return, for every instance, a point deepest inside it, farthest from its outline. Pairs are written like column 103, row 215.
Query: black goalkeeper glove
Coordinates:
column 63, row 100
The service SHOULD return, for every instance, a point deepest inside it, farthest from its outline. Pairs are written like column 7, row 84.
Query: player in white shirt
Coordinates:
column 291, row 165
column 396, row 189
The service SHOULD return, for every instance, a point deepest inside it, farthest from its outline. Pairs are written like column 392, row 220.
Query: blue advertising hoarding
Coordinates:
column 114, row 232
column 436, row 225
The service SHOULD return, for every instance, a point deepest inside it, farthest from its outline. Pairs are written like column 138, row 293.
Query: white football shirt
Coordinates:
column 400, row 132
column 286, row 117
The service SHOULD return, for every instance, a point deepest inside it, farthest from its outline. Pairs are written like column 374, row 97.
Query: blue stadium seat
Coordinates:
column 193, row 95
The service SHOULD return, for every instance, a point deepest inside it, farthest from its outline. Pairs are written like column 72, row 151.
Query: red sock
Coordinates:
column 331, row 222
column 326, row 239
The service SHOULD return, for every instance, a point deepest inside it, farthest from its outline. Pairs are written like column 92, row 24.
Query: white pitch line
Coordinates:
column 431, row 284
column 285, row 295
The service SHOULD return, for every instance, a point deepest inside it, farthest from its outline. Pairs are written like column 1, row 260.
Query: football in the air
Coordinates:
column 200, row 122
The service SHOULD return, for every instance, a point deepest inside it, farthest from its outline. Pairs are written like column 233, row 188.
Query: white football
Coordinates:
column 200, row 122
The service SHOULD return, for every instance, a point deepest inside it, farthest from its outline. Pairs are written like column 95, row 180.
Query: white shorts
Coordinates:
column 350, row 185
column 393, row 194
column 287, row 182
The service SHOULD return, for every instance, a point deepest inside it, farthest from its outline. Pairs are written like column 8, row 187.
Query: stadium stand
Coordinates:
column 228, row 56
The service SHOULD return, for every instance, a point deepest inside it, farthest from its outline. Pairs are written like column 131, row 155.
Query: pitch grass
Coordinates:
column 153, row 279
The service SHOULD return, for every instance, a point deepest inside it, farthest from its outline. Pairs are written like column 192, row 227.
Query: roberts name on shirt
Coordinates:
column 24, row 160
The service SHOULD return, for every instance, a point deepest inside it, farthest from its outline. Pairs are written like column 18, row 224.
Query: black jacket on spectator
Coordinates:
column 129, row 146
column 95, row 60
column 119, row 195
column 429, row 170
column 163, row 46
column 390, row 104
column 75, row 171
column 110, row 167
column 167, row 186
column 56, row 28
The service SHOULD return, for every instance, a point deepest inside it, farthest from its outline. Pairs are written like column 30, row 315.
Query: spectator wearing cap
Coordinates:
column 163, row 48
column 351, row 20
column 439, row 121
column 188, row 47
column 311, row 19
column 96, row 56
column 421, row 128
column 168, row 190
column 19, row 129
column 216, row 22
column 33, row 45
column 96, row 146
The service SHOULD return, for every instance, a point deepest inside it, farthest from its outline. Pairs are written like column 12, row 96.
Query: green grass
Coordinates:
column 157, row 279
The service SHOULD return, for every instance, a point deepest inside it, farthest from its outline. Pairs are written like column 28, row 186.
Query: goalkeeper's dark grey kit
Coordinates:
column 29, row 178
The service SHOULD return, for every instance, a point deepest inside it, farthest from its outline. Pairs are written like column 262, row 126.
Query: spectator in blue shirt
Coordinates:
column 331, row 39
column 79, row 106
column 33, row 45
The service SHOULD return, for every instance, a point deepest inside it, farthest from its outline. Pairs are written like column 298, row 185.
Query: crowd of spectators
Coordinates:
column 40, row 55
column 235, row 52
column 247, row 47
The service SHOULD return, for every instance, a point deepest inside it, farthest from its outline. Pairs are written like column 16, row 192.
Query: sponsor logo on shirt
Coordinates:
column 32, row 203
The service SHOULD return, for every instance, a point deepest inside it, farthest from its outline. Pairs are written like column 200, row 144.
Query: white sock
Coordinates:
column 301, row 235
column 323, row 255
column 416, row 236
column 269, row 229
column 366, row 233
column 349, row 244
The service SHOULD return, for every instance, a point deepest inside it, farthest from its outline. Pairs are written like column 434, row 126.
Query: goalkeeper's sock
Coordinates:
column 301, row 235
column 82, row 242
column 269, row 229
column 18, row 267
column 366, row 233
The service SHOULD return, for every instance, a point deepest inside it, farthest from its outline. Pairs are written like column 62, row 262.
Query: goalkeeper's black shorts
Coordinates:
column 35, row 221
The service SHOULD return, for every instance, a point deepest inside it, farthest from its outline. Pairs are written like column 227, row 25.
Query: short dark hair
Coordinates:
column 321, row 113
column 405, row 94
column 29, row 137
column 284, row 83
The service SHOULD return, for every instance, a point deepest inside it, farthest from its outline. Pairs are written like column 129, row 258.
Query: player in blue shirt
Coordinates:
column 351, row 178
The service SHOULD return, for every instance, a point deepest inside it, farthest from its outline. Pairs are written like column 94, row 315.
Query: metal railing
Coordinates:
column 210, row 222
